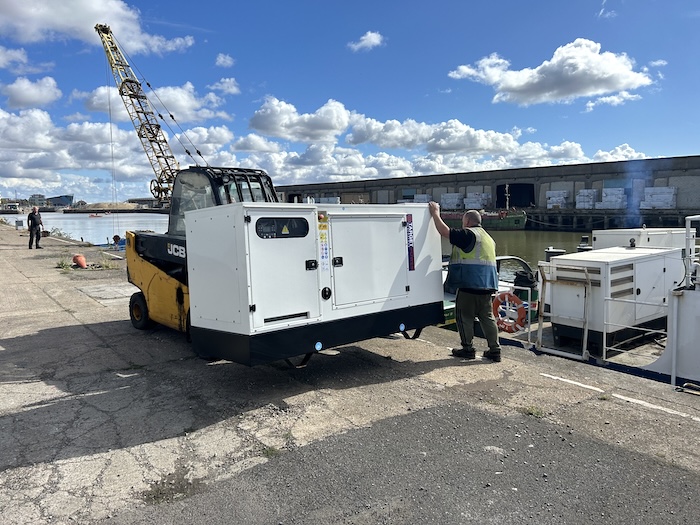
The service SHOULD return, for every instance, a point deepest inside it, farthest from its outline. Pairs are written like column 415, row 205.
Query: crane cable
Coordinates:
column 115, row 219
column 173, row 132
column 183, row 133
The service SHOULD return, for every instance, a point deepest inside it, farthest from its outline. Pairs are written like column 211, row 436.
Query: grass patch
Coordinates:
column 271, row 452
column 63, row 264
column 108, row 263
column 534, row 411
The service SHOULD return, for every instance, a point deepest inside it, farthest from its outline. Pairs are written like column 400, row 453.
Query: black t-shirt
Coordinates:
column 463, row 239
column 34, row 220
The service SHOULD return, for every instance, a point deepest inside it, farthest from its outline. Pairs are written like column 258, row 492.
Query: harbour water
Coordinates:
column 96, row 230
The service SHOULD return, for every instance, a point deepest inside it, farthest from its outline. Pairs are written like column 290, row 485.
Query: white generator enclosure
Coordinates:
column 270, row 281
column 640, row 237
column 610, row 290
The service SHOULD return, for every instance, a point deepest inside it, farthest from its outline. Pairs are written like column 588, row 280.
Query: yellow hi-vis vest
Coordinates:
column 476, row 269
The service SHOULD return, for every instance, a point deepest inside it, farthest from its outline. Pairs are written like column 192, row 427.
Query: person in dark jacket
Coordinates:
column 473, row 273
column 34, row 224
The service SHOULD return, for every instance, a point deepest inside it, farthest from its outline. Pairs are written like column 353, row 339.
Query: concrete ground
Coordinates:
column 100, row 422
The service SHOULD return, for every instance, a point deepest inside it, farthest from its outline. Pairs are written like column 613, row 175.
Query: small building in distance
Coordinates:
column 37, row 199
column 62, row 201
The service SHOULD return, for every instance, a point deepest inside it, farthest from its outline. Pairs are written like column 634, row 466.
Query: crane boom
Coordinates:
column 143, row 117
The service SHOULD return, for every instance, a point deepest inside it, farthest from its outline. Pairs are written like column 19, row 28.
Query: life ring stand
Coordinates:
column 510, row 312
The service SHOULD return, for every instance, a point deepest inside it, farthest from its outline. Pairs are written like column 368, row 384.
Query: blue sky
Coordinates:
column 321, row 91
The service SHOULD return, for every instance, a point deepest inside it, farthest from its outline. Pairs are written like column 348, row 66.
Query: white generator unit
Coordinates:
column 636, row 280
column 639, row 237
column 270, row 281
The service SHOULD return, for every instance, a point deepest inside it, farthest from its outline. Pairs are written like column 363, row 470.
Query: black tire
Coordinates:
column 138, row 311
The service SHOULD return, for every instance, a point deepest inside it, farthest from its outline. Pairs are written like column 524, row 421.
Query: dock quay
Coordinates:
column 103, row 423
column 575, row 220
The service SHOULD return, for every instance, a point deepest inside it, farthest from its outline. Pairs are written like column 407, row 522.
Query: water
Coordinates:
column 96, row 230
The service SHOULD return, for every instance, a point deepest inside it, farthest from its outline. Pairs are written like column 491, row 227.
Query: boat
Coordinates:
column 629, row 307
column 95, row 215
column 505, row 219
column 11, row 208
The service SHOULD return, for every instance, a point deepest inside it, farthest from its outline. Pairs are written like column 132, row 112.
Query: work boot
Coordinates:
column 39, row 247
column 464, row 353
column 493, row 355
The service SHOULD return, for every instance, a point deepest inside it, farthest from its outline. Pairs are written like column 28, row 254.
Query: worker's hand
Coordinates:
column 434, row 208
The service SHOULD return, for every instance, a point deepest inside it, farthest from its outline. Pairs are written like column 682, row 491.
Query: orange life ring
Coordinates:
column 502, row 214
column 510, row 312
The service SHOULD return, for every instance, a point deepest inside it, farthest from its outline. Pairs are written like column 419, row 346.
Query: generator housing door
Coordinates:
column 369, row 258
column 283, row 266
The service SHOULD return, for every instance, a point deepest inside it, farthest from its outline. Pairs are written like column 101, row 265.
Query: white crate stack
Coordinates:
column 585, row 199
column 329, row 200
column 661, row 198
column 613, row 199
column 557, row 199
column 477, row 201
column 422, row 197
column 452, row 201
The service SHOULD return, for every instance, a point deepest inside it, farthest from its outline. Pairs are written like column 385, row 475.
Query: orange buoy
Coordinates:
column 79, row 259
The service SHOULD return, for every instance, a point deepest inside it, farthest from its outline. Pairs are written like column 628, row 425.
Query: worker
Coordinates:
column 472, row 272
column 34, row 224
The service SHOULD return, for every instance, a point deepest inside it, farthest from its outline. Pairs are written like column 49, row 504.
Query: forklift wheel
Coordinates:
column 138, row 311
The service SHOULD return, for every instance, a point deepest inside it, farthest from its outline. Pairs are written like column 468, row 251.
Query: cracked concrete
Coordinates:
column 98, row 418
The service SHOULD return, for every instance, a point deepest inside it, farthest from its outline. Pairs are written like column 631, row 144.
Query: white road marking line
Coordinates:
column 624, row 398
column 589, row 387
column 656, row 407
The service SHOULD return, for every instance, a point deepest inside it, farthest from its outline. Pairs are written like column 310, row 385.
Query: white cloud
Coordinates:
column 224, row 60
column 8, row 57
column 254, row 142
column 35, row 155
column 390, row 134
column 182, row 102
column 228, row 86
column 578, row 69
column 281, row 119
column 186, row 105
column 23, row 93
column 369, row 40
column 446, row 137
column 104, row 99
column 32, row 21
column 604, row 13
column 613, row 100
column 622, row 152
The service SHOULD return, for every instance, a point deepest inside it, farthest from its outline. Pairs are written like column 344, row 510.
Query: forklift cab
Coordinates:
column 203, row 187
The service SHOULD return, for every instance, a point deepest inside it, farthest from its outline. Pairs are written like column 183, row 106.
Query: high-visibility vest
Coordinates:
column 475, row 269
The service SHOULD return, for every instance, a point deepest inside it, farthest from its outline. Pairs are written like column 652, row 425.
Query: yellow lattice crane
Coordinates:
column 143, row 117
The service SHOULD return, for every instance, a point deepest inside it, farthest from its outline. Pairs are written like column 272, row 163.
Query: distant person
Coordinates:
column 34, row 224
column 472, row 272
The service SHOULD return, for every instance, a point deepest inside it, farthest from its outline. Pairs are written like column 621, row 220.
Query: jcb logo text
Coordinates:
column 177, row 250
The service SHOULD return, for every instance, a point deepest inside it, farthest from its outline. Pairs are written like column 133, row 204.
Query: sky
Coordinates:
column 322, row 91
